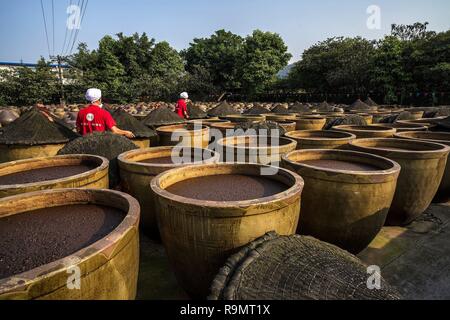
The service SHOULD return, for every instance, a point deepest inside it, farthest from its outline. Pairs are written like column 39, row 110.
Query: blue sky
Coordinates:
column 301, row 23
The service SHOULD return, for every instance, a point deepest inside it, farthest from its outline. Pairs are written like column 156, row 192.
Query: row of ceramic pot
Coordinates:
column 344, row 196
column 51, row 248
column 346, row 206
column 200, row 136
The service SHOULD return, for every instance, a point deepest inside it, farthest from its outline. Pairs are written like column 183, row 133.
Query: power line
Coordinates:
column 81, row 22
column 45, row 27
column 53, row 24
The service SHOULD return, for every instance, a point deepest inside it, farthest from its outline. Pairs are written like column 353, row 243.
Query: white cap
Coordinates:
column 93, row 95
column 184, row 95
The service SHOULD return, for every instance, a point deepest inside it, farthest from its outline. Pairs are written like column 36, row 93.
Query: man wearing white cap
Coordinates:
column 181, row 108
column 94, row 119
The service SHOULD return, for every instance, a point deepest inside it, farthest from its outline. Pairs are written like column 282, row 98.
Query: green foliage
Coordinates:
column 334, row 65
column 234, row 63
column 409, row 60
column 136, row 68
column 265, row 54
column 220, row 55
column 25, row 86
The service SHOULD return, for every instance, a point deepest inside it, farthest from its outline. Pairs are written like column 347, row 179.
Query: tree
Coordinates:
column 411, row 32
column 165, row 72
column 335, row 65
column 220, row 55
column 388, row 74
column 265, row 54
column 130, row 68
column 27, row 86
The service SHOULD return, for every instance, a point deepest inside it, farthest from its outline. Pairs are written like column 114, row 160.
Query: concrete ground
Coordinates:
column 415, row 260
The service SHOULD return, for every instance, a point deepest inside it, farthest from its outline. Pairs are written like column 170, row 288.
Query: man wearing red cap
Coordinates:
column 94, row 119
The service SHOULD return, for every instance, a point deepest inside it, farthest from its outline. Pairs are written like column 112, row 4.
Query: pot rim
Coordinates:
column 346, row 136
column 208, row 122
column 296, row 188
column 180, row 128
column 309, row 118
column 402, row 153
column 271, row 114
column 227, row 125
column 243, row 116
column 281, row 148
column 104, row 165
column 395, row 167
column 352, row 128
column 103, row 245
column 124, row 157
column 285, row 122
column 405, row 135
column 406, row 125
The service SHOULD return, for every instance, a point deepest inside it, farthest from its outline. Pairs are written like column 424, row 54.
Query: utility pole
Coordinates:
column 59, row 59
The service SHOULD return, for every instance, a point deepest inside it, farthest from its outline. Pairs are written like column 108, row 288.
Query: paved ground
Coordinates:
column 415, row 259
column 156, row 280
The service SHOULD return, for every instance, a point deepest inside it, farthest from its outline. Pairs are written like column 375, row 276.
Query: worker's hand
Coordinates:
column 129, row 134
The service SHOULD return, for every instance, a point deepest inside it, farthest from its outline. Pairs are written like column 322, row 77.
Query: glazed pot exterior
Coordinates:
column 179, row 135
column 199, row 236
column 423, row 165
column 288, row 126
column 109, row 267
column 136, row 178
column 142, row 143
column 96, row 178
column 20, row 152
column 342, row 207
column 310, row 123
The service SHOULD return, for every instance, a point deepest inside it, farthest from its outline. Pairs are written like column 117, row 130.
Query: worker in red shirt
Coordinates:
column 181, row 108
column 94, row 119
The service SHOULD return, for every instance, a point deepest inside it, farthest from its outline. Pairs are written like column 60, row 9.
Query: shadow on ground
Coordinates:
column 156, row 279
column 416, row 259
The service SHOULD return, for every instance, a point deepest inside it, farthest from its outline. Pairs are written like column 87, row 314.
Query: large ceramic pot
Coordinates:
column 310, row 123
column 14, row 179
column 443, row 194
column 254, row 149
column 280, row 116
column 191, row 135
column 347, row 195
column 320, row 139
column 199, row 235
column 20, row 152
column 139, row 167
column 423, row 165
column 106, row 269
column 244, row 118
column 367, row 131
column 402, row 127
